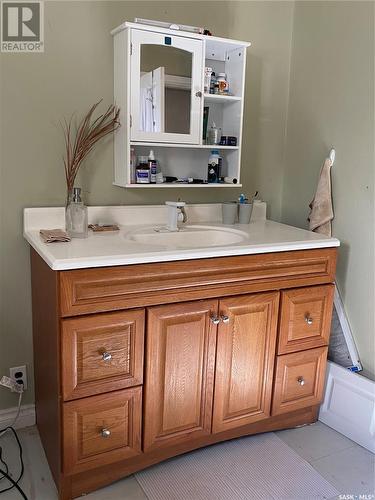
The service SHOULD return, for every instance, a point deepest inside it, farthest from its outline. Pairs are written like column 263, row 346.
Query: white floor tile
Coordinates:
column 315, row 441
column 351, row 471
column 344, row 464
column 126, row 489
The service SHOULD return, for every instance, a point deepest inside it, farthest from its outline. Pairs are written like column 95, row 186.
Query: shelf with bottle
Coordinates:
column 182, row 167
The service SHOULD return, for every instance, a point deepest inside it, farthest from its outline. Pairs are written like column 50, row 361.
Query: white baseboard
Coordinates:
column 349, row 405
column 26, row 417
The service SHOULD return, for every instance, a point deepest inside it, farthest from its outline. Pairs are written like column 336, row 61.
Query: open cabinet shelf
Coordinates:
column 158, row 85
column 171, row 145
column 183, row 185
column 221, row 98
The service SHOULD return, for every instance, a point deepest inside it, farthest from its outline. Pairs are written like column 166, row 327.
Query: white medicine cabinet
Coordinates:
column 159, row 85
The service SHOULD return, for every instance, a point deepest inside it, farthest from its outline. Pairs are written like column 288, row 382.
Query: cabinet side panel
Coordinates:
column 121, row 136
column 46, row 359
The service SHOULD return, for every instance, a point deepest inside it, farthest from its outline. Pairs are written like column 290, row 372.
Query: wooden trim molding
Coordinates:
column 86, row 291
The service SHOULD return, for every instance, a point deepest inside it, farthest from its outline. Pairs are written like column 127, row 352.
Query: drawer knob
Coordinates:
column 215, row 320
column 105, row 433
column 309, row 320
column 106, row 356
column 225, row 319
column 301, row 381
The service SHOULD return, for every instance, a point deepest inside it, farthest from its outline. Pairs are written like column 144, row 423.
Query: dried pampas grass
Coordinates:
column 88, row 133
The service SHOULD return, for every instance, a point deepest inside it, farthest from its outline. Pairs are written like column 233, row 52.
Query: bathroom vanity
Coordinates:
column 143, row 352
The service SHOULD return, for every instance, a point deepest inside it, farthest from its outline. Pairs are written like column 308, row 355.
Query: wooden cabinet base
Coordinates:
column 137, row 364
column 75, row 485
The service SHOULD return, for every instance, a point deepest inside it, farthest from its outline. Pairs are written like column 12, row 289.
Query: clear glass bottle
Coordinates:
column 76, row 216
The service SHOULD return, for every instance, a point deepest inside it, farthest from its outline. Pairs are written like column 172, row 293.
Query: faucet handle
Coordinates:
column 177, row 204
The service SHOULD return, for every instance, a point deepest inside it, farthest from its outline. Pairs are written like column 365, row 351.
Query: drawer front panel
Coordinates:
column 102, row 352
column 299, row 380
column 97, row 290
column 102, row 429
column 306, row 315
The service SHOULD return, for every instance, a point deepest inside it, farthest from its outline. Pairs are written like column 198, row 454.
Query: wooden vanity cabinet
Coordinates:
column 136, row 364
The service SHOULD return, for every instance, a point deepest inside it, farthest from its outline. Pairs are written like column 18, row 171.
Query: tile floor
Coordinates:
column 347, row 466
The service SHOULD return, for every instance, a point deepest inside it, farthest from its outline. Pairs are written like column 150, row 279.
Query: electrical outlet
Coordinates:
column 19, row 375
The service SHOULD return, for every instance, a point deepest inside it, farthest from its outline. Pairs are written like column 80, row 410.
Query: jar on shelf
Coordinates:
column 222, row 83
column 214, row 134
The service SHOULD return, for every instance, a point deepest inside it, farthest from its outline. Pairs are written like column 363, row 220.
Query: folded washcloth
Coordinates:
column 321, row 213
column 54, row 235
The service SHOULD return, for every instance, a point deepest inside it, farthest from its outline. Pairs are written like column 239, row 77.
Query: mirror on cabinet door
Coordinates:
column 165, row 88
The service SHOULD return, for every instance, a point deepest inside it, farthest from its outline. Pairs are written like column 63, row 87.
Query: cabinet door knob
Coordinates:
column 105, row 433
column 225, row 319
column 301, row 381
column 198, row 94
column 215, row 320
column 106, row 356
column 308, row 320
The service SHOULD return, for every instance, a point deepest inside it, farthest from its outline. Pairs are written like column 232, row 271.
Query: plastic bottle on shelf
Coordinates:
column 152, row 163
column 142, row 171
column 214, row 134
column 223, row 83
column 132, row 164
column 214, row 167
column 212, row 82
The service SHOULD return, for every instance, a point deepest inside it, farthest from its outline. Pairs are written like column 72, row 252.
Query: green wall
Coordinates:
column 76, row 69
column 310, row 85
column 332, row 104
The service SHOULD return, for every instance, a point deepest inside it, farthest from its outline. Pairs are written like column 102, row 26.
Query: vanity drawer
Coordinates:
column 299, row 380
column 85, row 291
column 102, row 352
column 305, row 320
column 101, row 429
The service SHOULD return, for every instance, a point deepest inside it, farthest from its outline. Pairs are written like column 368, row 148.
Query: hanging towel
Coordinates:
column 147, row 118
column 321, row 213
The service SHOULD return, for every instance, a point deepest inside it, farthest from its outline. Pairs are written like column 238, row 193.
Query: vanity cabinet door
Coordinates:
column 166, row 88
column 246, row 344
column 180, row 359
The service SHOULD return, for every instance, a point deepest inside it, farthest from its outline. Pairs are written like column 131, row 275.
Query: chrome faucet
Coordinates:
column 176, row 213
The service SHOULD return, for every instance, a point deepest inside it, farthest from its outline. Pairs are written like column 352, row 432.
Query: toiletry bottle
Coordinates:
column 152, row 163
column 77, row 226
column 214, row 167
column 142, row 172
column 133, row 161
column 223, row 83
column 212, row 82
column 214, row 134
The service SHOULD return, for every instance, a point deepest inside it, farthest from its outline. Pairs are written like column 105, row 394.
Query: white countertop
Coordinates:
column 115, row 249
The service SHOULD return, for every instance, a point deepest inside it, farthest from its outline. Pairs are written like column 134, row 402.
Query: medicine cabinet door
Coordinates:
column 165, row 95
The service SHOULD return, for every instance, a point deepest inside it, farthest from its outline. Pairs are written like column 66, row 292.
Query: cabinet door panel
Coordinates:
column 244, row 360
column 180, row 357
column 166, row 85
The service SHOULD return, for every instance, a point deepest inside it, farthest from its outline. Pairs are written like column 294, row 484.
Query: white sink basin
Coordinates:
column 189, row 237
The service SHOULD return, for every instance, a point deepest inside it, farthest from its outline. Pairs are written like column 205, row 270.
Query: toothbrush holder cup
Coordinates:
column 229, row 212
column 244, row 212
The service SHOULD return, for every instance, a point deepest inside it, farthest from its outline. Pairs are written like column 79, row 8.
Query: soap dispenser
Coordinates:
column 76, row 216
